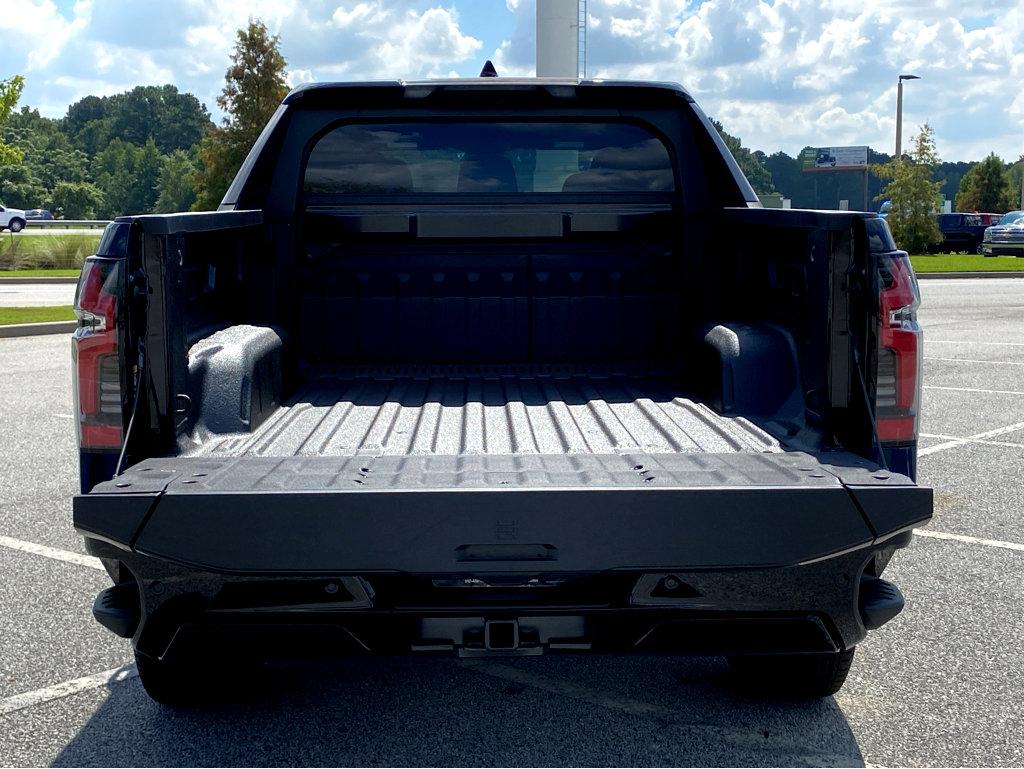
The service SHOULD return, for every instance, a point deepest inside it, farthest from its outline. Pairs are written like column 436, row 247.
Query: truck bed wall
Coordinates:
column 461, row 303
column 615, row 298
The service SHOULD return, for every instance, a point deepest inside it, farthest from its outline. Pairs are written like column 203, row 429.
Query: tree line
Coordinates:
column 156, row 150
column 153, row 149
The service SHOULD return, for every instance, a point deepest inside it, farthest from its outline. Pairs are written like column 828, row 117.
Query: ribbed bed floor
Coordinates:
column 492, row 410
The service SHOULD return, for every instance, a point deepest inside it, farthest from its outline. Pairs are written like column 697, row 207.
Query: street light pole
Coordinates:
column 899, row 113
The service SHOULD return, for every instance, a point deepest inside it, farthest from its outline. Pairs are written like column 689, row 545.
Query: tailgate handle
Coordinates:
column 506, row 553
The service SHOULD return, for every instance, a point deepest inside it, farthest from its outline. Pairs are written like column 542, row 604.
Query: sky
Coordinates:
column 781, row 75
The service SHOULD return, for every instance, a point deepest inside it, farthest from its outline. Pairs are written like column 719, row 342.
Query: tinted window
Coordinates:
column 482, row 158
column 879, row 237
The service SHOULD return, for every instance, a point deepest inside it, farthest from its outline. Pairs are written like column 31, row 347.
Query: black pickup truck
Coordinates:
column 497, row 367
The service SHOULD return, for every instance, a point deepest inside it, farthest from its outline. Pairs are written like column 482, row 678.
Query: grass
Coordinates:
column 73, row 273
column 966, row 263
column 48, row 251
column 9, row 315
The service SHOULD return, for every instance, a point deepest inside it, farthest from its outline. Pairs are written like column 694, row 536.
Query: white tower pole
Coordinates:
column 558, row 38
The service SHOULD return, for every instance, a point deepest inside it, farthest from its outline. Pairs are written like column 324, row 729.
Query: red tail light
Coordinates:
column 98, row 385
column 898, row 376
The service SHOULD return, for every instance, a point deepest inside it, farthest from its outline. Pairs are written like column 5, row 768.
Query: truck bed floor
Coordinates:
column 492, row 410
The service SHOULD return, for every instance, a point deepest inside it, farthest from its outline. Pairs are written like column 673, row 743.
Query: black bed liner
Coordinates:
column 493, row 410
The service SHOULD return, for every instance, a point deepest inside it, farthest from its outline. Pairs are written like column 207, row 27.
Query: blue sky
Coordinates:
column 779, row 73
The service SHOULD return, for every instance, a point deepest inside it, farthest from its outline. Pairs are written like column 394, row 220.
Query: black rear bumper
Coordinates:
column 746, row 553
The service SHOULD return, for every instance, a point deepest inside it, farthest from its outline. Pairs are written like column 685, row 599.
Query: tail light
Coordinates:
column 898, row 376
column 98, row 379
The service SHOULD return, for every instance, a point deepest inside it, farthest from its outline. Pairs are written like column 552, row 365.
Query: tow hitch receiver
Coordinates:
column 501, row 635
column 482, row 637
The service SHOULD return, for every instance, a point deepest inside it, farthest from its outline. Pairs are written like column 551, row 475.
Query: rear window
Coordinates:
column 487, row 158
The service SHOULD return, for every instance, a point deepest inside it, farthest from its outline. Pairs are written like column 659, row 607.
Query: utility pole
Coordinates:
column 899, row 113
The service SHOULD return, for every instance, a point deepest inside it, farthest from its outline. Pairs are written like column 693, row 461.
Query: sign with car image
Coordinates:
column 834, row 158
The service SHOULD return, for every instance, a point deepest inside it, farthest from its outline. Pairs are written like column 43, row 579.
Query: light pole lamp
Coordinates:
column 899, row 113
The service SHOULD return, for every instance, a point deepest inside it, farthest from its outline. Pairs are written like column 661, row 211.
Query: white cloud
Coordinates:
column 787, row 73
column 779, row 73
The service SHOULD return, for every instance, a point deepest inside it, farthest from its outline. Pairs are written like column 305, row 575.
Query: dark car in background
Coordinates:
column 1006, row 237
column 963, row 232
column 39, row 213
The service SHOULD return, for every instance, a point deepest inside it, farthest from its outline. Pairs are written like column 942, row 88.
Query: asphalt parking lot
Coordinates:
column 941, row 685
column 36, row 294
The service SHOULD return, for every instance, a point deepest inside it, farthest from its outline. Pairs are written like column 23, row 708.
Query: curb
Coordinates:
column 37, row 329
column 44, row 280
column 950, row 275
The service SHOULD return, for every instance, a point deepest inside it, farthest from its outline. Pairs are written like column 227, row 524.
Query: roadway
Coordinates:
column 35, row 230
column 942, row 684
column 36, row 294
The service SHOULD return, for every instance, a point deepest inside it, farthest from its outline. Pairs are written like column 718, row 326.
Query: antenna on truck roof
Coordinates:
column 488, row 70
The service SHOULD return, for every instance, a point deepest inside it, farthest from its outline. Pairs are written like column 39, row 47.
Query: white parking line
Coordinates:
column 974, row 390
column 969, row 439
column 1005, row 444
column 974, row 360
column 51, row 552
column 970, row 540
column 66, row 689
column 999, row 344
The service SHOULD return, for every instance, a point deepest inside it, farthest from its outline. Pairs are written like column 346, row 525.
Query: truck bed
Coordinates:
column 492, row 410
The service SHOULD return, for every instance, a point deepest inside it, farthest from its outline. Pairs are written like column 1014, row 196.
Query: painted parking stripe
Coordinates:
column 1005, row 444
column 974, row 390
column 975, row 360
column 990, row 344
column 970, row 438
column 66, row 689
column 970, row 540
column 51, row 552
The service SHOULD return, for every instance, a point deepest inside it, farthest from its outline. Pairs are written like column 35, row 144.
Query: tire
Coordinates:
column 16, row 225
column 803, row 676
column 181, row 682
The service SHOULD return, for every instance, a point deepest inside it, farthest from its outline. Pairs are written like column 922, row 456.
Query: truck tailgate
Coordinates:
column 493, row 514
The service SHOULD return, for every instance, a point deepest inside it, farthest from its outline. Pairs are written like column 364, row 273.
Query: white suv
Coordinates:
column 12, row 219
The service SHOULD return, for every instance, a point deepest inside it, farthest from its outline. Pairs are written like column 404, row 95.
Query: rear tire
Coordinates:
column 180, row 682
column 16, row 225
column 804, row 676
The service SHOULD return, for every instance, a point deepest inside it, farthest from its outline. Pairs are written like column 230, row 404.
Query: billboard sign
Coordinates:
column 834, row 158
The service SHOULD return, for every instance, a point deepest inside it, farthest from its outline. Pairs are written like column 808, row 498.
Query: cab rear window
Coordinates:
column 478, row 158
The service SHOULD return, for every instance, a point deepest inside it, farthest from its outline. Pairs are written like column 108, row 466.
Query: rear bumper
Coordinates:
column 766, row 551
column 808, row 608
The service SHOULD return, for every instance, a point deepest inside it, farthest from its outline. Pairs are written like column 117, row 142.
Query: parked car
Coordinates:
column 38, row 213
column 1005, row 238
column 962, row 232
column 448, row 372
column 12, row 219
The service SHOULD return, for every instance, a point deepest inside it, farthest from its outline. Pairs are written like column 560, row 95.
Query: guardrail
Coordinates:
column 68, row 224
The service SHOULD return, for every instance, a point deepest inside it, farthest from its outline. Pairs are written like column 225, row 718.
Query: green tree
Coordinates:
column 174, row 184
column 10, row 92
column 254, row 87
column 1017, row 183
column 914, row 196
column 76, row 200
column 174, row 120
column 986, row 187
column 19, row 188
column 752, row 164
column 127, row 176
